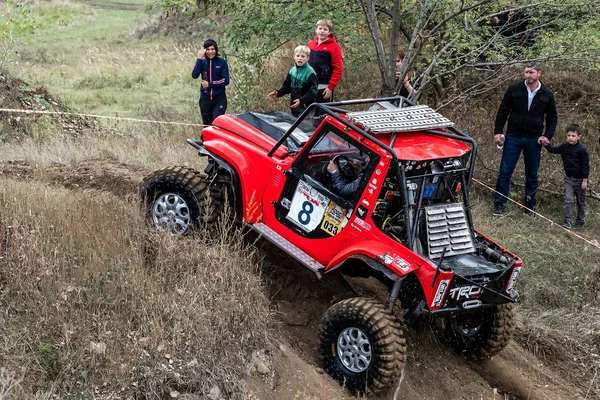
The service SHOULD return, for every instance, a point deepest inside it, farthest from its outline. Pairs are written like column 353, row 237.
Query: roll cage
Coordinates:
column 335, row 109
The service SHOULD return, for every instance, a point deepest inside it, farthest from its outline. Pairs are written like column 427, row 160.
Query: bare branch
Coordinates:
column 371, row 16
column 455, row 14
column 266, row 53
column 401, row 26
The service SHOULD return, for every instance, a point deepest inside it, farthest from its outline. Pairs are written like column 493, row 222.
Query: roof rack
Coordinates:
column 403, row 119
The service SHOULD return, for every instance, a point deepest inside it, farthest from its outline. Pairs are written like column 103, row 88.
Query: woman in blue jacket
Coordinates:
column 215, row 76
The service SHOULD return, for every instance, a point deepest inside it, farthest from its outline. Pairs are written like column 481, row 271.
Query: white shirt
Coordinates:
column 531, row 94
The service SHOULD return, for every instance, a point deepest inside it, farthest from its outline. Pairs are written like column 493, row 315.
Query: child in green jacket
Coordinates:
column 301, row 83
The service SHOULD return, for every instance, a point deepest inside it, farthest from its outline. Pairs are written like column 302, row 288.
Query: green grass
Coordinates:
column 560, row 271
column 90, row 58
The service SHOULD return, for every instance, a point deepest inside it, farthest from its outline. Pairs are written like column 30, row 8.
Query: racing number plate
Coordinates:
column 307, row 208
column 334, row 219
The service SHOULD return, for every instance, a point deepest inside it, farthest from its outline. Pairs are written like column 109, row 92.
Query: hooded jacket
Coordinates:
column 326, row 59
column 216, row 72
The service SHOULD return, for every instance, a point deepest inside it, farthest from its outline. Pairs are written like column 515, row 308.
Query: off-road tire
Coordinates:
column 495, row 328
column 204, row 205
column 386, row 340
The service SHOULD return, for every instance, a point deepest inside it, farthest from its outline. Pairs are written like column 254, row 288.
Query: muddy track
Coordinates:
column 433, row 370
column 299, row 300
column 106, row 176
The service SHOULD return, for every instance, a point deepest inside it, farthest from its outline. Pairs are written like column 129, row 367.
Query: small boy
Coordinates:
column 301, row 82
column 577, row 168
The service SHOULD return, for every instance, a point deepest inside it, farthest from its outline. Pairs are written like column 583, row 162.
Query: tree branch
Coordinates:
column 455, row 14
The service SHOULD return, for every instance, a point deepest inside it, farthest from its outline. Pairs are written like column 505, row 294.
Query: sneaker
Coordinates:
column 567, row 225
column 578, row 224
column 527, row 212
column 498, row 211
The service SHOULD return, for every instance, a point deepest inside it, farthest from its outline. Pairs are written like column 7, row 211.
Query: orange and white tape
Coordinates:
column 11, row 110
column 588, row 241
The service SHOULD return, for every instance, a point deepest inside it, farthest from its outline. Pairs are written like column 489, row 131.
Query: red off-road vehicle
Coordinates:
column 405, row 221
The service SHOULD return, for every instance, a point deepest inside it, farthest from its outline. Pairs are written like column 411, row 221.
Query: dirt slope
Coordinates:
column 299, row 299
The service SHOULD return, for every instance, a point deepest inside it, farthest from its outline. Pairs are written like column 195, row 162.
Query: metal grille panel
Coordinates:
column 405, row 119
column 447, row 227
column 288, row 247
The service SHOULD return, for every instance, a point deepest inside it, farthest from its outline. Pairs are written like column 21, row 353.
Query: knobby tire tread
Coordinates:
column 206, row 203
column 387, row 343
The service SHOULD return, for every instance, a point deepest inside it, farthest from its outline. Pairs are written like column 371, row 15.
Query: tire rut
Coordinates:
column 114, row 177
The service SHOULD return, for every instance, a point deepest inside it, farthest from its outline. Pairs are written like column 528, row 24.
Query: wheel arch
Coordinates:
column 221, row 166
column 364, row 266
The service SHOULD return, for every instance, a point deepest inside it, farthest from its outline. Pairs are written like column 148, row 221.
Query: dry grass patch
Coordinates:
column 149, row 145
column 94, row 307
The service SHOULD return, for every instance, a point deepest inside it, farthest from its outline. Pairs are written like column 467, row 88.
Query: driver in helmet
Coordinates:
column 340, row 185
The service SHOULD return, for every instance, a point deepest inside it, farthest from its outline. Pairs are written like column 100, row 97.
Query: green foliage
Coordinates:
column 49, row 360
column 247, row 88
column 448, row 36
column 15, row 22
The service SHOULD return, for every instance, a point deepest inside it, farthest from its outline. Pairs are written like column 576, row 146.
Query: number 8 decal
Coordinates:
column 304, row 214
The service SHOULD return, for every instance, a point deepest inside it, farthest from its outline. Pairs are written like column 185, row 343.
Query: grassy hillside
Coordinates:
column 110, row 310
column 83, row 312
column 89, row 57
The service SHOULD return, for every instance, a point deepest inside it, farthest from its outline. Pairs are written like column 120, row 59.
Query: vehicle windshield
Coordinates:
column 276, row 123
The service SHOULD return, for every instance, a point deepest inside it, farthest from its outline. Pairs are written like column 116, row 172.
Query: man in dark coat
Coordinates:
column 528, row 106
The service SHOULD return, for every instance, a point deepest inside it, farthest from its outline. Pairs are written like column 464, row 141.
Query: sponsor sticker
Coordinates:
column 366, row 226
column 308, row 207
column 439, row 293
column 361, row 212
column 402, row 263
column 512, row 280
column 334, row 219
column 466, row 292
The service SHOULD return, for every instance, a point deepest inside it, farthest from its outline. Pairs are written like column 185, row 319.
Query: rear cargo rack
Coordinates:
column 404, row 119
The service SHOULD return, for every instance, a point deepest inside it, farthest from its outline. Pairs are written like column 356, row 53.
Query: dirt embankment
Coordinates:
column 104, row 176
column 433, row 370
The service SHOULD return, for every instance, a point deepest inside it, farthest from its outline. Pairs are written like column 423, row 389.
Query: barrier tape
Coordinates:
column 588, row 241
column 11, row 110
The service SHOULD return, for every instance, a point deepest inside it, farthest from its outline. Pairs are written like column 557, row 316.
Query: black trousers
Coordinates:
column 320, row 98
column 211, row 109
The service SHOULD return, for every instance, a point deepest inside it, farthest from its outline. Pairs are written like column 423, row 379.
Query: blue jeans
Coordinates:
column 513, row 145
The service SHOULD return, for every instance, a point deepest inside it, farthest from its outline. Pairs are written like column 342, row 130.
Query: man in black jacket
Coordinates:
column 527, row 105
